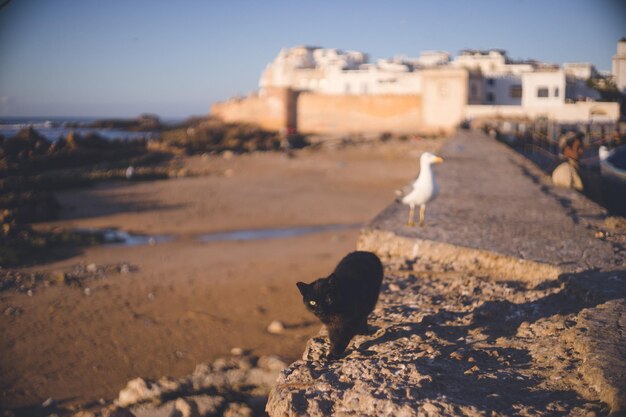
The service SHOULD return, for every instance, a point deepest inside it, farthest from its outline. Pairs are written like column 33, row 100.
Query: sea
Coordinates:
column 54, row 128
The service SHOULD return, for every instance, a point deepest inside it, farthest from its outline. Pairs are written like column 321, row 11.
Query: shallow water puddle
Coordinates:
column 115, row 237
column 260, row 234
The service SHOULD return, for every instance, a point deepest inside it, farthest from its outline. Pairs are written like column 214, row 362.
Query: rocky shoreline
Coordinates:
column 235, row 386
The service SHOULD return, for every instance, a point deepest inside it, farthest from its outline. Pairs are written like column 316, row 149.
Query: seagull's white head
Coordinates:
column 428, row 158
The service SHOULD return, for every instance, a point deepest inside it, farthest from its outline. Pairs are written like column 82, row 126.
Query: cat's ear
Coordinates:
column 303, row 287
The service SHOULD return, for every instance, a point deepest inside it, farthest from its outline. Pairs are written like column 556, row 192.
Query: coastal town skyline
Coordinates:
column 71, row 58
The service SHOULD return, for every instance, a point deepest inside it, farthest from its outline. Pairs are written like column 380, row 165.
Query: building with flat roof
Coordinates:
column 330, row 90
column 619, row 66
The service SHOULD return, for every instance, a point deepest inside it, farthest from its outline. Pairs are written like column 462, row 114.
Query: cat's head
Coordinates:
column 318, row 296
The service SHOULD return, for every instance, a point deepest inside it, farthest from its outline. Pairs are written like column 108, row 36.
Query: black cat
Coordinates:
column 344, row 299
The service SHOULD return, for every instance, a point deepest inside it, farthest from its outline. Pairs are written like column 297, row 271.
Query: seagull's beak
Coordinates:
column 438, row 160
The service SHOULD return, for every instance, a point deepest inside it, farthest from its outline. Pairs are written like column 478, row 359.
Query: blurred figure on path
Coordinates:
column 567, row 173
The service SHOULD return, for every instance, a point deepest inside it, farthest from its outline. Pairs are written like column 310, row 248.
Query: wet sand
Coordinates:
column 190, row 301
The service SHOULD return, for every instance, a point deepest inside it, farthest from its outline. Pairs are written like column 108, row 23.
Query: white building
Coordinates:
column 582, row 70
column 433, row 58
column 544, row 88
column 491, row 62
column 502, row 76
column 332, row 71
column 495, row 81
column 503, row 89
column 619, row 66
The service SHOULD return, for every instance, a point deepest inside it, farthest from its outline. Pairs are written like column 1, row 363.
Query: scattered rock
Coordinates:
column 84, row 413
column 185, row 408
column 48, row 403
column 238, row 410
column 430, row 408
column 58, row 277
column 27, row 282
column 137, row 391
column 12, row 311
column 276, row 327
column 110, row 411
column 271, row 363
column 207, row 404
column 242, row 380
column 472, row 370
column 117, row 412
column 155, row 410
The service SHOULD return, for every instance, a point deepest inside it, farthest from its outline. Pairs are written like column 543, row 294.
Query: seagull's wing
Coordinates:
column 404, row 191
column 417, row 196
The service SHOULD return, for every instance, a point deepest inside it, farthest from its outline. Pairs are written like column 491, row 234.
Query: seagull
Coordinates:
column 424, row 189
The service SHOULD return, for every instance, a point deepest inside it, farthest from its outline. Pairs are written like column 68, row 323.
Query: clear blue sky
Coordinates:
column 174, row 58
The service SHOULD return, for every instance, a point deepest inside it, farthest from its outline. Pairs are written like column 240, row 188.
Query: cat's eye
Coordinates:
column 312, row 302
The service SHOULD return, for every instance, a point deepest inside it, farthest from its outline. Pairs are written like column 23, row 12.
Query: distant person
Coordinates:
column 130, row 171
column 567, row 173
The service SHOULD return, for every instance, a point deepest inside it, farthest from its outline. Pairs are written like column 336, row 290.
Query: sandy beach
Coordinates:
column 185, row 301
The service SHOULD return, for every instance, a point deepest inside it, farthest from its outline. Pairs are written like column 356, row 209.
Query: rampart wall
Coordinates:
column 274, row 109
column 569, row 112
column 324, row 113
column 440, row 107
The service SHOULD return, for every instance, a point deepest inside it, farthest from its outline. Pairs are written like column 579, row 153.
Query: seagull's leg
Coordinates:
column 422, row 211
column 411, row 214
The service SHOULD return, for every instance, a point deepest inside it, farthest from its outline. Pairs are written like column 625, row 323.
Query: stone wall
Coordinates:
column 439, row 108
column 445, row 98
column 510, row 301
column 324, row 113
column 274, row 109
column 570, row 112
column 449, row 340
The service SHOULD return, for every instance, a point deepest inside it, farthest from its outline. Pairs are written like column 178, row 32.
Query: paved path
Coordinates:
column 493, row 199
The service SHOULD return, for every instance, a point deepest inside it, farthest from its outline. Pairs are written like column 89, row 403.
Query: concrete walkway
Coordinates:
column 493, row 199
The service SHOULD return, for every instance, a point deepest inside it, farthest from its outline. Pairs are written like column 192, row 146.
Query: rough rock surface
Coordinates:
column 451, row 341
column 236, row 386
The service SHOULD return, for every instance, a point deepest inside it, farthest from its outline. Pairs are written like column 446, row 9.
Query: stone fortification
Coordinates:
column 274, row 109
column 450, row 340
column 314, row 112
column 323, row 113
column 342, row 92
column 511, row 301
